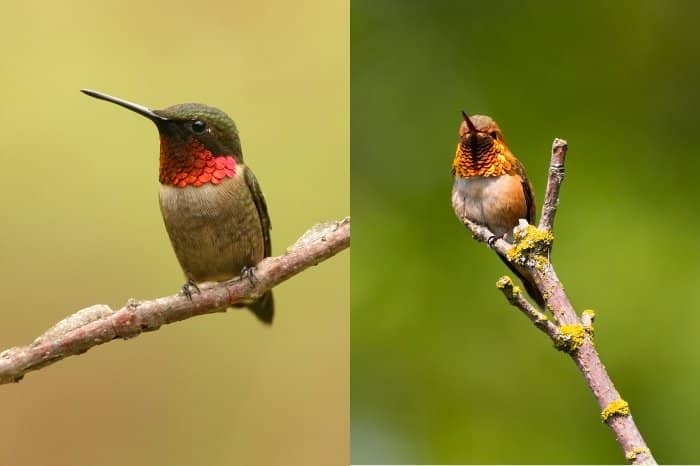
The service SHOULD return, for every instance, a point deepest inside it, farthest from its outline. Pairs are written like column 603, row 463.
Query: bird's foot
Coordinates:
column 188, row 287
column 492, row 240
column 249, row 273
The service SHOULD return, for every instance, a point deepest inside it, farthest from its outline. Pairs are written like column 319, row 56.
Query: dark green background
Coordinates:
column 443, row 370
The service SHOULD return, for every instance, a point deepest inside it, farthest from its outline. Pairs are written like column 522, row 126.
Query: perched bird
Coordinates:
column 212, row 205
column 491, row 187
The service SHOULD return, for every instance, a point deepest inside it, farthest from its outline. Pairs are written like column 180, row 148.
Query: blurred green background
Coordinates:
column 81, row 225
column 443, row 369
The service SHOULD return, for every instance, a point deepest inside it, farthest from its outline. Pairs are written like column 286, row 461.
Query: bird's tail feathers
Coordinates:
column 264, row 308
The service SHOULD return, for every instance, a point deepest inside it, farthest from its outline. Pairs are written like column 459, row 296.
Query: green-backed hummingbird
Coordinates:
column 212, row 205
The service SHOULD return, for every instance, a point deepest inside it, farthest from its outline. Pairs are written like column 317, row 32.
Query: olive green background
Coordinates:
column 443, row 369
column 81, row 225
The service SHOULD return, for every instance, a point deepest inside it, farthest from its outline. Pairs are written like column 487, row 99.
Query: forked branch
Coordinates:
column 568, row 332
column 99, row 324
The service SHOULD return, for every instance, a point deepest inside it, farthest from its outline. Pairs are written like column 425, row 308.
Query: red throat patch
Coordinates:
column 191, row 164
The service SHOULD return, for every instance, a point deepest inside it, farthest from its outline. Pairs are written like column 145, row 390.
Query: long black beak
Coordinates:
column 470, row 125
column 140, row 109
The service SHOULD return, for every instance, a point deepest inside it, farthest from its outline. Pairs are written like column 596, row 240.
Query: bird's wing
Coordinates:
column 261, row 206
column 528, row 192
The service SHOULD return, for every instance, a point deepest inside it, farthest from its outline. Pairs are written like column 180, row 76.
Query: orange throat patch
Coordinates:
column 491, row 163
column 191, row 164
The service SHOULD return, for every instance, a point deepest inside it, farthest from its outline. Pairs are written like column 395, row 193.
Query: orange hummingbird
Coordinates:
column 491, row 187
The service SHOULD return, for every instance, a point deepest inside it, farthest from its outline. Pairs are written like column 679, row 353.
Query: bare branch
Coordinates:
column 516, row 298
column 556, row 177
column 99, row 324
column 570, row 334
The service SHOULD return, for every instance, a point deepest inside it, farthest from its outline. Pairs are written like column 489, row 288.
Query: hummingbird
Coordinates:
column 212, row 205
column 491, row 187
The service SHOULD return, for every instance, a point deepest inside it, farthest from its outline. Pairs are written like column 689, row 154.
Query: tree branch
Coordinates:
column 516, row 298
column 99, row 324
column 554, row 181
column 570, row 333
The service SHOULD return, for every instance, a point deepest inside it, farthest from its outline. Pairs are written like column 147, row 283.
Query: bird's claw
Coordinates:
column 492, row 240
column 249, row 273
column 188, row 287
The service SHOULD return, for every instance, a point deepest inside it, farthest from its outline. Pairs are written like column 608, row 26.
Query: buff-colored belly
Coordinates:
column 215, row 230
column 495, row 202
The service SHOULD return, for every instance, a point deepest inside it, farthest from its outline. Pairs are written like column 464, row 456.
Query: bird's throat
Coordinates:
column 487, row 163
column 189, row 163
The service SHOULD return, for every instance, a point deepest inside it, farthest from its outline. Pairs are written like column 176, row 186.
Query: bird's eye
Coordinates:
column 494, row 135
column 198, row 126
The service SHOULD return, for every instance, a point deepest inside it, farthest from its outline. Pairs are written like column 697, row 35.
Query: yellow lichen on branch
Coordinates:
column 504, row 282
column 617, row 407
column 632, row 455
column 529, row 240
column 571, row 338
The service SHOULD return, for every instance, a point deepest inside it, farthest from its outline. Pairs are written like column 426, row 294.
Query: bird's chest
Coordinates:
column 192, row 208
column 496, row 202
column 214, row 229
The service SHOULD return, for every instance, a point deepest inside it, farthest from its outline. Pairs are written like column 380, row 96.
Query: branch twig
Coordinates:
column 569, row 334
column 554, row 180
column 99, row 324
column 516, row 298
